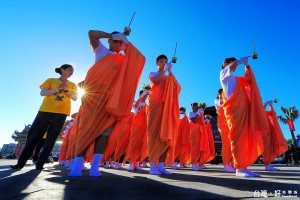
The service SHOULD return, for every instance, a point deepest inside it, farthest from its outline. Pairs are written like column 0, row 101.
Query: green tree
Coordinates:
column 290, row 114
column 289, row 141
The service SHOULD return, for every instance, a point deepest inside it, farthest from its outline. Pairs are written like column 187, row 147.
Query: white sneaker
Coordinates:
column 61, row 163
column 95, row 173
column 195, row 167
column 174, row 166
column 106, row 165
column 67, row 164
column 131, row 167
column 164, row 171
column 183, row 166
column 144, row 165
column 271, row 168
column 229, row 169
column 243, row 173
column 139, row 168
column 250, row 172
column 154, row 170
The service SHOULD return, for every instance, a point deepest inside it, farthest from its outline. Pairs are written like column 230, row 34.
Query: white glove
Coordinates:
column 146, row 92
column 120, row 36
column 244, row 60
column 168, row 67
column 269, row 102
column 200, row 111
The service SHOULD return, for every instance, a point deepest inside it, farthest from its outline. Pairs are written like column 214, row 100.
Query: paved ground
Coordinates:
column 211, row 183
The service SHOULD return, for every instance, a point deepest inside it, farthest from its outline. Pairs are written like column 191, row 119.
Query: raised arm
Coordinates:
column 96, row 35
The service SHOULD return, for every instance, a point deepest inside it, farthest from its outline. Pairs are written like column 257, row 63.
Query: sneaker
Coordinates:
column 164, row 171
column 39, row 167
column 271, row 168
column 175, row 167
column 139, row 168
column 243, row 173
column 195, row 167
column 250, row 172
column 154, row 170
column 17, row 166
column 229, row 169
column 131, row 167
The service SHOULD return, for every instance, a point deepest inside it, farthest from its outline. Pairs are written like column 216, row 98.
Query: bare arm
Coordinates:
column 72, row 96
column 81, row 84
column 96, row 35
column 45, row 92
column 137, row 103
column 157, row 78
column 233, row 65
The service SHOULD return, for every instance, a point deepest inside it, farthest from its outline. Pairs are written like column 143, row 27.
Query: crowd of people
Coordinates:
column 106, row 132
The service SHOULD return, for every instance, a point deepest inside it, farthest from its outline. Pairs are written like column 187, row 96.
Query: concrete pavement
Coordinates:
column 211, row 183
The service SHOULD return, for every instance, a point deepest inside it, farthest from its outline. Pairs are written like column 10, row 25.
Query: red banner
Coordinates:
column 291, row 125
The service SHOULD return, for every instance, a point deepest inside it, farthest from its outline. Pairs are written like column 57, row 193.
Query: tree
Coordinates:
column 289, row 141
column 291, row 114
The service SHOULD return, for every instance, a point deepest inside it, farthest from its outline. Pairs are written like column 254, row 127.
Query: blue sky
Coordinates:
column 37, row 36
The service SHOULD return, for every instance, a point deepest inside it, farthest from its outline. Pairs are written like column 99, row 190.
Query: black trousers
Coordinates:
column 44, row 121
column 38, row 149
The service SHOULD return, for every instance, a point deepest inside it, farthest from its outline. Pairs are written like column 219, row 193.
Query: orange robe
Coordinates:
column 195, row 135
column 224, row 131
column 206, row 144
column 211, row 143
column 184, row 131
column 145, row 148
column 123, row 140
column 113, row 139
column 110, row 86
column 163, row 118
column 273, row 140
column 246, row 119
column 64, row 146
column 72, row 141
column 137, row 137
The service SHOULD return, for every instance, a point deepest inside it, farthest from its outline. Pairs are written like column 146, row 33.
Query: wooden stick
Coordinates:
column 131, row 18
column 175, row 49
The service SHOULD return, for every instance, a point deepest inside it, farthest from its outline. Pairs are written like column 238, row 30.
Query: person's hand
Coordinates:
column 244, row 60
column 200, row 111
column 221, row 101
column 168, row 67
column 116, row 36
column 80, row 84
column 270, row 102
column 120, row 36
column 145, row 93
column 123, row 48
column 60, row 88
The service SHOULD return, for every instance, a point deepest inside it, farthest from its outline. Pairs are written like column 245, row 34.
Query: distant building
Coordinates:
column 8, row 148
column 216, row 134
column 21, row 138
column 56, row 149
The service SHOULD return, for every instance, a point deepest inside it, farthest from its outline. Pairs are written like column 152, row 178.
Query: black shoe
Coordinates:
column 17, row 166
column 39, row 167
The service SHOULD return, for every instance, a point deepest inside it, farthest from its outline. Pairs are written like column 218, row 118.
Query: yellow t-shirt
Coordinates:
column 58, row 102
